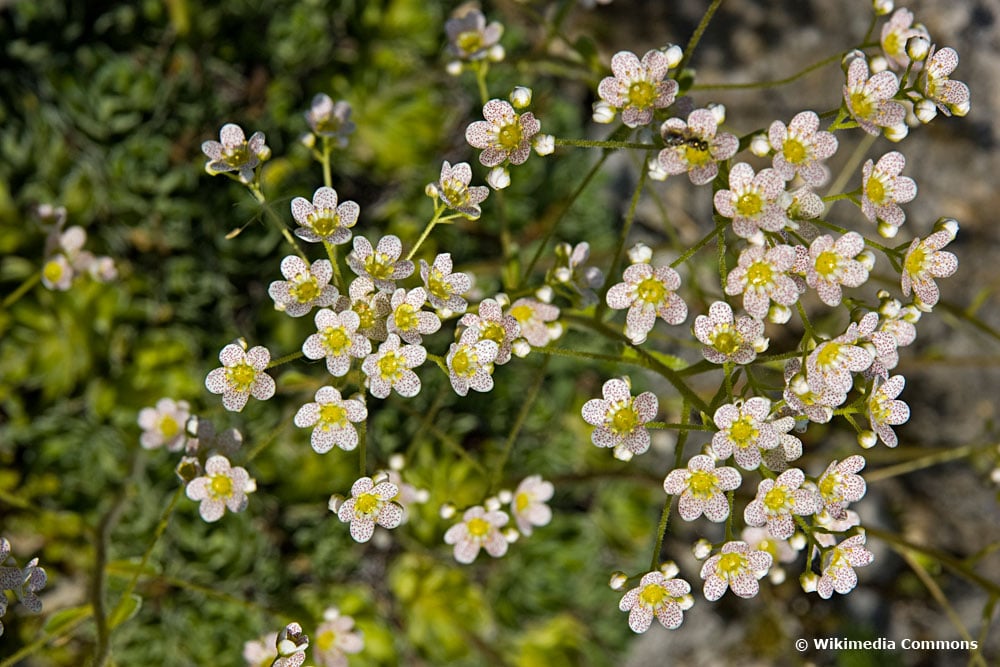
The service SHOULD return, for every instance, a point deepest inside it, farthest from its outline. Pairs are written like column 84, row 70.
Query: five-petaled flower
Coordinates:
column 390, row 368
column 222, row 486
column 702, row 488
column 841, row 484
column 884, row 411
column 729, row 339
column 493, row 325
column 619, row 419
column 924, row 262
column 478, row 529
column 695, row 146
column 801, row 147
column 828, row 265
column 306, row 286
column 241, row 376
column 883, row 189
column 895, row 33
column 648, row 293
column 838, row 566
column 332, row 419
column 869, row 100
column 761, row 276
column 407, row 320
column 778, row 499
column 235, row 152
column 737, row 567
column 381, row 264
column 337, row 340
column 755, row 203
column 533, row 317
column 330, row 119
column 444, row 288
column 454, row 191
column 638, row 87
column 470, row 363
column 469, row 38
column 324, row 219
column 335, row 639
column 527, row 505
column 744, row 431
column 163, row 426
column 951, row 97
column 657, row 595
column 830, row 366
column 369, row 504
column 370, row 305
column 504, row 135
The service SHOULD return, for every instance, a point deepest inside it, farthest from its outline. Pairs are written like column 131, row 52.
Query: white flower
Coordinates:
column 778, row 499
column 163, row 426
column 727, row 339
column 951, row 97
column 221, row 487
column 702, row 488
column 337, row 340
column 648, row 293
column 533, row 318
column 737, row 567
column 493, row 325
column 761, row 276
column 371, row 306
column 840, row 485
column 444, row 288
column 332, row 419
column 455, row 192
column 235, row 153
column 329, row 119
column 896, row 32
column 323, row 219
column 884, row 411
column 241, row 376
column 620, row 419
column 382, row 263
column 753, row 202
column 638, row 87
column 478, row 529
column 695, row 147
column 470, row 363
column 335, row 639
column 924, row 262
column 660, row 596
column 504, row 136
column 883, row 189
column 306, row 286
column 828, row 265
column 744, row 432
column 838, row 566
column 869, row 100
column 370, row 504
column 407, row 320
column 801, row 148
column 390, row 368
column 528, row 503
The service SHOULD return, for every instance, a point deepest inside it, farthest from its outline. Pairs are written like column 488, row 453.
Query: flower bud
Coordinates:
column 867, row 439
column 604, row 113
column 544, row 144
column 520, row 97
column 808, row 582
column 521, row 348
column 887, row 231
column 623, row 454
column 336, row 500
column 759, row 145
column 640, row 253
column 702, row 549
column 878, row 64
column 719, row 111
column 669, row 569
column 850, row 57
column 492, row 504
column 454, row 67
column 917, row 47
column 505, row 496
column 308, row 140
column 798, row 541
column 882, row 7
column 674, row 55
column 496, row 53
column 397, row 462
column 761, row 344
column 502, row 299
column 380, row 476
column 617, row 581
column 446, row 511
column 867, row 259
column 431, row 191
column 656, row 170
column 925, row 110
column 949, row 225
column 555, row 330
column 563, row 274
column 544, row 294
column 511, row 535
column 779, row 314
column 896, row 133
column 498, row 178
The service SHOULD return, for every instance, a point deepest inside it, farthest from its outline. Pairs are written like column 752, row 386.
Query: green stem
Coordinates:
column 64, row 632
column 21, row 290
column 338, row 280
column 698, row 32
column 276, row 219
column 529, row 401
column 927, row 461
column 327, row 177
column 482, row 67
column 292, row 356
column 836, row 57
column 362, row 447
column 719, row 228
column 851, row 165
column 661, row 529
column 427, row 230
column 622, row 240
column 591, row 143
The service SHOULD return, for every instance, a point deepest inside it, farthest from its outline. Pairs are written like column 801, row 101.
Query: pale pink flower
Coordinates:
column 305, row 286
column 702, row 488
column 455, row 192
column 390, row 368
column 638, row 87
column 478, row 529
column 895, row 33
column 753, row 202
column 830, row 366
column 444, row 288
column 737, row 567
column 260, row 652
column 371, row 306
column 803, row 400
column 504, row 135
column 336, row 638
column 648, row 293
column 883, row 189
column 222, row 486
column 337, row 340
column 828, row 265
column 726, row 338
column 532, row 316
column 332, row 419
column 381, row 264
column 695, row 147
column 744, row 431
column 778, row 499
column 470, row 363
column 493, row 325
column 761, row 276
column 838, row 566
column 801, row 147
column 163, row 425
column 528, row 503
column 619, row 419
column 234, row 152
column 469, row 37
column 869, row 100
column 924, row 262
column 659, row 596
column 951, row 97
column 407, row 320
column 323, row 219
column 841, row 485
column 884, row 411
column 241, row 376
column 369, row 504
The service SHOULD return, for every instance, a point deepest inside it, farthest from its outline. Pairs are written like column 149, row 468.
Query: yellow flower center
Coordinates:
column 241, row 377
column 469, row 41
column 237, row 155
column 641, row 94
column 892, row 44
column 391, row 366
column 367, row 503
column 794, row 151
column 652, row 595
column 651, row 290
column 827, row 263
column 624, row 420
column 379, row 266
column 521, row 501
column 437, row 286
column 463, row 363
column 366, row 314
column 702, row 484
column 731, row 565
column 495, row 332
column 53, row 271
column 879, row 407
column 828, row 486
column 305, row 290
column 743, row 432
column 828, row 356
column 406, row 317
column 749, row 205
column 169, row 427
column 522, row 313
column 331, row 414
column 325, row 640
column 726, row 340
column 455, row 193
column 862, row 105
column 696, row 153
column 509, row 136
column 324, row 221
column 775, row 499
column 478, row 527
column 336, row 340
column 221, row 486
column 875, row 190
column 760, row 274
column 915, row 261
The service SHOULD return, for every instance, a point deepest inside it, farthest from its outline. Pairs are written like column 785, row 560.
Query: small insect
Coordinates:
column 676, row 138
